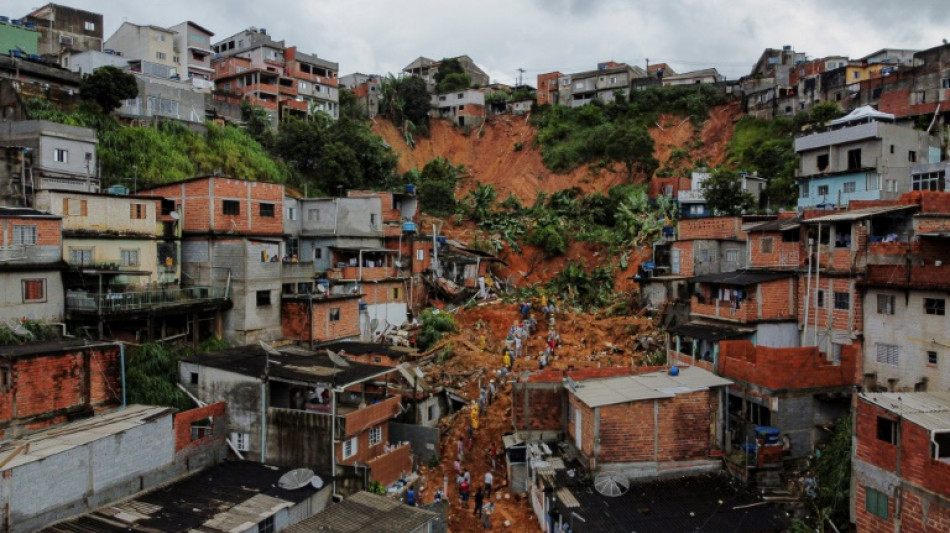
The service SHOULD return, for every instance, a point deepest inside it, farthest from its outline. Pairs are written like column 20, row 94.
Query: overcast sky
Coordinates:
column 383, row 36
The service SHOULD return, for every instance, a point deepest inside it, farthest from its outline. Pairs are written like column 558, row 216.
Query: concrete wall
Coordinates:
column 105, row 469
column 47, row 137
column 241, row 393
column 424, row 441
column 914, row 333
column 13, row 306
column 160, row 97
column 145, row 43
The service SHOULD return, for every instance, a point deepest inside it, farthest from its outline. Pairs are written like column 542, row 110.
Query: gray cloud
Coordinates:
column 381, row 36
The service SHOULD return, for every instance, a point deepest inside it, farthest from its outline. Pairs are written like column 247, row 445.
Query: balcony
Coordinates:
column 725, row 309
column 357, row 419
column 839, row 136
column 297, row 270
column 121, row 302
column 363, row 273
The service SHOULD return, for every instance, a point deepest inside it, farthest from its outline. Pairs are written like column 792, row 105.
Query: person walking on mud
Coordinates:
column 479, row 498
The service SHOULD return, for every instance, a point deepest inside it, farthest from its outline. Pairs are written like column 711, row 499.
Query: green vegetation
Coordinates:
column 435, row 324
column 37, row 331
column 152, row 375
column 575, row 285
column 405, row 101
column 724, row 194
column 108, row 86
column 451, row 76
column 436, row 186
column 832, row 474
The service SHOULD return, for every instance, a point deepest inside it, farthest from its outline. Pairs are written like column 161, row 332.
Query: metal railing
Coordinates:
column 130, row 301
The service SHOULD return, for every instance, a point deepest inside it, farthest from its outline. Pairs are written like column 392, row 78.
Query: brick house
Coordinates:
column 232, row 235
column 284, row 409
column 48, row 383
column 548, row 90
column 330, row 317
column 465, row 108
column 647, row 423
column 901, row 475
column 31, row 250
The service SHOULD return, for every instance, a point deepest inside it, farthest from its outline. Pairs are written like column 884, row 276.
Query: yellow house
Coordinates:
column 120, row 235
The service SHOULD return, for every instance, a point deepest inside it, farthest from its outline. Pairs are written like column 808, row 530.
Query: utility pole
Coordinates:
column 520, row 78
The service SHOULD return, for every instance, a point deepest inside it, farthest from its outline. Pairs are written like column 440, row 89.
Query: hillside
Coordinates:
column 491, row 157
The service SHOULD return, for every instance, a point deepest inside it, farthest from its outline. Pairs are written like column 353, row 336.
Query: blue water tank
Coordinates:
column 408, row 227
column 362, row 306
column 768, row 433
column 674, row 370
column 442, row 240
column 4, row 18
column 410, row 188
column 16, row 22
column 29, row 26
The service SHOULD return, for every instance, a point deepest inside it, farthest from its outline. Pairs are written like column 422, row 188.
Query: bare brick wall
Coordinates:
column 787, row 368
column 48, row 231
column 202, row 204
column 295, row 315
column 686, row 256
column 711, row 228
column 543, row 402
column 827, row 316
column 783, row 254
column 46, row 387
column 389, row 467
column 183, row 421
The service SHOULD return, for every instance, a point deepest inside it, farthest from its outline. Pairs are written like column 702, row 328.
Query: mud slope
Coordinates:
column 491, row 156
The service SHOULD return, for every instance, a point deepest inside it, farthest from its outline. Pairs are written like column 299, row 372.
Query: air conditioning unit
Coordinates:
column 66, row 40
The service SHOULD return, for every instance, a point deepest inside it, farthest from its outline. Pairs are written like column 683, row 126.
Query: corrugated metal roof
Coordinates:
column 929, row 410
column 650, row 386
column 710, row 332
column 567, row 498
column 781, row 224
column 860, row 214
column 366, row 513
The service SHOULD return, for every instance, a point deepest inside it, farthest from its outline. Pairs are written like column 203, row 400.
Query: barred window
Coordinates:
column 887, row 354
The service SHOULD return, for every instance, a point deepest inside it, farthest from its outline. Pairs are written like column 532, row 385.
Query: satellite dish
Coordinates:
column 295, row 479
column 174, row 215
column 337, row 359
column 270, row 349
column 611, row 484
column 316, row 482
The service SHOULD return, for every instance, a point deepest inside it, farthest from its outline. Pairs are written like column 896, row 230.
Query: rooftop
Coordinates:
column 227, row 497
column 60, row 439
column 710, row 332
column 929, row 410
column 650, row 386
column 51, row 347
column 293, row 363
column 779, row 224
column 861, row 214
column 365, row 513
column 24, row 212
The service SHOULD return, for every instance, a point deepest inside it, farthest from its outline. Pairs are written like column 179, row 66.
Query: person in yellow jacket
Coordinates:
column 507, row 360
column 474, row 416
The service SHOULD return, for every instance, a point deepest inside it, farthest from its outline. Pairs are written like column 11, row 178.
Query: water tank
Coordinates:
column 118, row 190
column 29, row 26
column 362, row 306
column 410, row 188
column 442, row 240
column 787, row 48
column 4, row 18
column 263, row 31
column 408, row 227
column 768, row 434
column 674, row 370
column 109, row 51
column 16, row 22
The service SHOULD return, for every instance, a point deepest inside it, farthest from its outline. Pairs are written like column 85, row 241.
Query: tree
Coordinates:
column 406, row 101
column 451, row 76
column 630, row 143
column 108, row 86
column 437, row 186
column 724, row 194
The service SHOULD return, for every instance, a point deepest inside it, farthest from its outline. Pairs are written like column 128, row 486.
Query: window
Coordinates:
column 849, row 186
column 935, row 306
column 376, row 435
column 822, row 162
column 875, row 502
column 732, row 256
column 34, row 290
column 231, row 207
column 395, row 293
column 885, row 304
column 266, row 525
column 24, row 235
column 263, row 298
column 160, row 56
column 90, row 26
column 887, row 354
column 803, row 190
column 945, row 83
column 929, row 181
column 292, row 248
column 856, row 75
column 420, row 255
column 942, row 448
column 843, row 235
column 822, row 190
column 129, row 258
column 160, row 37
column 932, row 359
column 792, row 235
column 74, row 207
column 886, row 430
column 318, row 253
column 313, row 215
column 291, row 213
column 60, row 155
column 80, row 256
column 349, row 447
column 854, row 159
column 137, row 211
column 461, row 95
column 193, row 378
column 372, row 219
column 267, row 210
column 334, row 314
column 842, row 301
column 462, row 107
column 820, row 299
column 912, row 156
column 766, row 245
column 239, row 440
